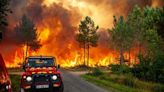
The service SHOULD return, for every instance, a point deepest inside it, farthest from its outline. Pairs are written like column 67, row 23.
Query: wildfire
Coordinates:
column 48, row 2
column 156, row 3
column 18, row 58
column 57, row 22
column 43, row 36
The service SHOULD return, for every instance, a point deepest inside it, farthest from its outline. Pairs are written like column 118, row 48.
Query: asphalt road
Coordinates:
column 73, row 83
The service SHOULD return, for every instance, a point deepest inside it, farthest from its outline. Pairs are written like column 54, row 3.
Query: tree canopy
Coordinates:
column 143, row 29
column 144, row 23
column 4, row 10
column 121, row 36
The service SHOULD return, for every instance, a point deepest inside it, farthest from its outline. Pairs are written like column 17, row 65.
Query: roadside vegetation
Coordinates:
column 15, row 80
column 143, row 30
column 118, row 82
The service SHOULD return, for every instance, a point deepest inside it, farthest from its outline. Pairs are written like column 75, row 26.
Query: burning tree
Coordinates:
column 26, row 33
column 87, row 36
column 121, row 37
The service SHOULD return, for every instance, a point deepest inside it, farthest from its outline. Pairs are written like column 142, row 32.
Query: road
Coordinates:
column 73, row 83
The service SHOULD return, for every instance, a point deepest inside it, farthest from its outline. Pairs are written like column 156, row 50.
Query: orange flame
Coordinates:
column 55, row 41
column 72, row 56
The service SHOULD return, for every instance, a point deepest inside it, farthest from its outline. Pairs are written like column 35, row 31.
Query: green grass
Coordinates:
column 15, row 79
column 123, row 83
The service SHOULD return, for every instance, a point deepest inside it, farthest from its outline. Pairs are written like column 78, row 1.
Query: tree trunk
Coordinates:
column 129, row 58
column 121, row 56
column 26, row 51
column 84, row 53
column 23, row 52
column 140, row 51
column 88, row 56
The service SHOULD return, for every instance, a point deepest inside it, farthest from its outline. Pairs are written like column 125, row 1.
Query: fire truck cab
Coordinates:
column 5, row 83
column 41, row 74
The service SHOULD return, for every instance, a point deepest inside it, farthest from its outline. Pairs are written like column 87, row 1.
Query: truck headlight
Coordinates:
column 28, row 79
column 8, row 87
column 54, row 77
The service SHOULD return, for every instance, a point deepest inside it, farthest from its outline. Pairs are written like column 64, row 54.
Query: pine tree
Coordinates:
column 87, row 36
column 27, row 34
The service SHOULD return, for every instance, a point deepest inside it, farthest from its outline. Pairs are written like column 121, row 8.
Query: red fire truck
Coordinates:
column 5, row 83
column 41, row 74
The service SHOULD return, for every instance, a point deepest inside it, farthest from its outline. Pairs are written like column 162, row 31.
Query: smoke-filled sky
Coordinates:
column 101, row 11
column 57, row 22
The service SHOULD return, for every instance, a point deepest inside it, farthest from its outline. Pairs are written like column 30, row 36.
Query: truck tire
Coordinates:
column 61, row 88
column 22, row 90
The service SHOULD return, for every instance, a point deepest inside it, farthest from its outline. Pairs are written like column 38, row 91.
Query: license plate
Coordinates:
column 42, row 86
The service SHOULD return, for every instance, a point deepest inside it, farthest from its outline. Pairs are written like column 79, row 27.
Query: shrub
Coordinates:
column 130, row 81
column 97, row 72
column 150, row 69
column 158, row 88
column 15, row 79
column 120, row 69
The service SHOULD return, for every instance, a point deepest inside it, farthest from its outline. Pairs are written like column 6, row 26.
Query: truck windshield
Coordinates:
column 40, row 62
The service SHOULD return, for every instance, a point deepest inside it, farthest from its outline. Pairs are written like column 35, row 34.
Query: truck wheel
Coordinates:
column 61, row 88
column 22, row 90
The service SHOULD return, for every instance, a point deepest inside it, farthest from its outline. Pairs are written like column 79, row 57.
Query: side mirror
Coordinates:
column 58, row 67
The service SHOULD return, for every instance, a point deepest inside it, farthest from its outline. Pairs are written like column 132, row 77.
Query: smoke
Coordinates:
column 57, row 22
